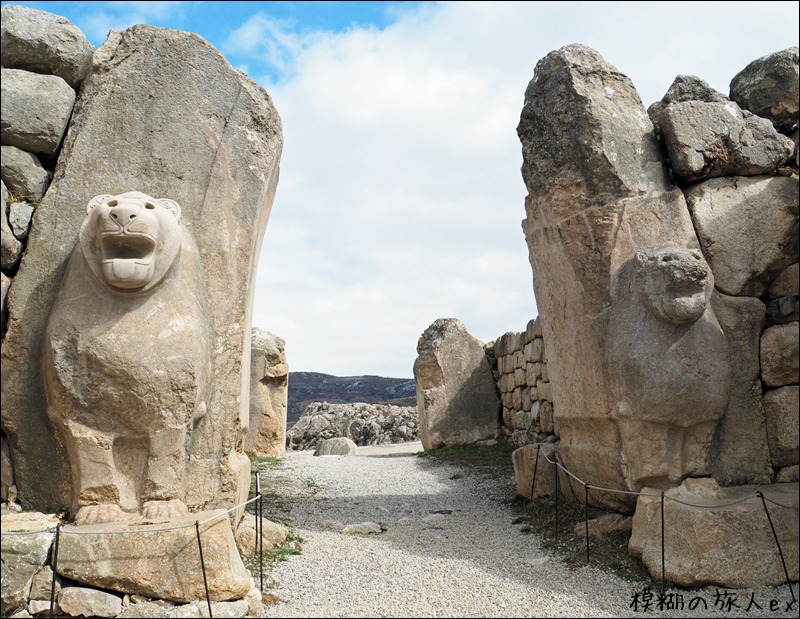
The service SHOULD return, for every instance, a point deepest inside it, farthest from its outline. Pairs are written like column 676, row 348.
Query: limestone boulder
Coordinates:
column 272, row 533
column 781, row 408
column 19, row 218
column 706, row 140
column 740, row 452
column 121, row 557
column 41, row 42
column 768, row 87
column 779, row 353
column 269, row 381
column 83, row 602
column 337, row 446
column 222, row 170
column 23, row 173
column 5, row 284
column 6, row 468
column 748, row 229
column 457, row 399
column 787, row 283
column 530, row 461
column 731, row 544
column 26, row 538
column 10, row 246
column 683, row 88
column 35, row 110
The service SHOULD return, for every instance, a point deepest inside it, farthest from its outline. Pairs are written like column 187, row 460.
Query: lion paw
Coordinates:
column 104, row 512
column 164, row 510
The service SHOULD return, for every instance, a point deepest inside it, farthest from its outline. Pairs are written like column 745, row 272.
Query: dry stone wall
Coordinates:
column 519, row 364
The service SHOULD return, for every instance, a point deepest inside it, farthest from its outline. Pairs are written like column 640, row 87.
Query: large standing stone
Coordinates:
column 27, row 538
column 44, row 43
column 740, row 453
column 597, row 193
column 35, row 110
column 730, row 543
column 457, row 398
column 164, row 113
column 748, row 229
column 706, row 140
column 768, row 86
column 269, row 383
column 121, row 557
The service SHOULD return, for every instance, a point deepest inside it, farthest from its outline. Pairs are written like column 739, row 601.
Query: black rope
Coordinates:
column 663, row 577
column 586, row 517
column 203, row 566
column 760, row 495
column 535, row 464
column 55, row 567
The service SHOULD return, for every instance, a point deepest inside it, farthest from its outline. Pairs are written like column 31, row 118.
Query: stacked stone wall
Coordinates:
column 519, row 365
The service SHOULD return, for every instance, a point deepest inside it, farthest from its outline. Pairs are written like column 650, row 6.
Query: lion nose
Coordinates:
column 124, row 214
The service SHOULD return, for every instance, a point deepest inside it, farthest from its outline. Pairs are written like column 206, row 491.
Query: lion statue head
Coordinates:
column 131, row 240
column 676, row 283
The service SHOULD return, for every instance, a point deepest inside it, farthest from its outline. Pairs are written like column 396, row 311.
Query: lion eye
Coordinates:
column 149, row 205
column 112, row 203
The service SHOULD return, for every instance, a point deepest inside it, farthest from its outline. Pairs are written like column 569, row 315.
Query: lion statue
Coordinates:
column 667, row 360
column 127, row 360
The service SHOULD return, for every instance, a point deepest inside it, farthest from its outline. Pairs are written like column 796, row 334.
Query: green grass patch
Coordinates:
column 472, row 455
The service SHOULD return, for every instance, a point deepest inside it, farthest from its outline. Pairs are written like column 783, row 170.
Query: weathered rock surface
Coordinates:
column 27, row 538
column 684, row 88
column 748, row 229
column 744, row 551
column 668, row 367
column 19, row 218
column 534, row 475
column 597, row 193
column 457, row 399
column 364, row 424
column 787, row 283
column 35, row 110
column 781, row 408
column 272, row 534
column 337, row 446
column 706, row 140
column 222, row 170
column 768, row 86
column 269, row 379
column 41, row 42
column 124, row 559
column 83, row 602
column 740, row 454
column 23, row 173
column 780, row 349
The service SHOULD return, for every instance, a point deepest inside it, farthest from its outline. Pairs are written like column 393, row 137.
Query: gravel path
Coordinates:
column 449, row 548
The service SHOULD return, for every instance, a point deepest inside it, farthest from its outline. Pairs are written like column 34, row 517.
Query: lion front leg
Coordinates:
column 161, row 498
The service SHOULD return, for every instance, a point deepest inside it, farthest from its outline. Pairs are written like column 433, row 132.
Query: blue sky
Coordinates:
column 400, row 199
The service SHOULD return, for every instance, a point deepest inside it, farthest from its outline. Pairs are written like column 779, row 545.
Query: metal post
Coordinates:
column 203, row 566
column 760, row 495
column 55, row 567
column 586, row 516
column 663, row 578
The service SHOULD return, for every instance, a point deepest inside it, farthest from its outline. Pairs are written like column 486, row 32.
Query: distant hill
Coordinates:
column 307, row 387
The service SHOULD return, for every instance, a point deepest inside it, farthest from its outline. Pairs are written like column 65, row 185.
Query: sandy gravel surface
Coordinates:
column 448, row 548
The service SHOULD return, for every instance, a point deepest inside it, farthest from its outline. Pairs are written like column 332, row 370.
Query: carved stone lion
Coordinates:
column 668, row 365
column 126, row 361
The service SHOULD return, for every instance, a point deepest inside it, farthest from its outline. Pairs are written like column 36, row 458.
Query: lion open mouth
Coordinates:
column 128, row 259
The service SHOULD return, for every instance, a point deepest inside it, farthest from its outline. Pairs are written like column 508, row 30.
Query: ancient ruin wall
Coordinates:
column 664, row 249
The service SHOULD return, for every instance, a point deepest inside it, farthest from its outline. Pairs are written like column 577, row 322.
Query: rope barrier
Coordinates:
column 775, row 535
column 203, row 567
column 55, row 567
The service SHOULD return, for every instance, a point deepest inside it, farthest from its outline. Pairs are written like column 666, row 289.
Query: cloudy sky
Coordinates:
column 400, row 198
